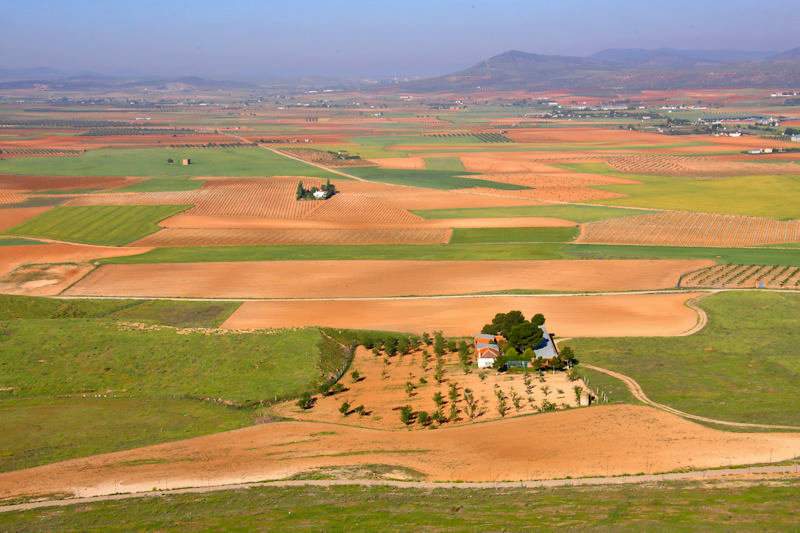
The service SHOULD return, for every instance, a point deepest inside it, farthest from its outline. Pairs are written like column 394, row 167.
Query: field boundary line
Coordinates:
column 639, row 394
column 708, row 474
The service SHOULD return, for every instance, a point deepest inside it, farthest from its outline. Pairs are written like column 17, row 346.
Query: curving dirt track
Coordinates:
column 353, row 278
column 609, row 440
column 568, row 316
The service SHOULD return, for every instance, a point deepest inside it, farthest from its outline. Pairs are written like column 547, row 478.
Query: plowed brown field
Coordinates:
column 681, row 228
column 12, row 257
column 332, row 279
column 533, row 447
column 745, row 276
column 256, row 236
column 625, row 315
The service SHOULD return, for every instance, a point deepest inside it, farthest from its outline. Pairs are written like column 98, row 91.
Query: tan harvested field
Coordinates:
column 406, row 163
column 16, row 215
column 342, row 279
column 745, row 276
column 262, row 236
column 621, row 315
column 381, row 389
column 594, row 441
column 584, row 135
column 43, row 279
column 683, row 228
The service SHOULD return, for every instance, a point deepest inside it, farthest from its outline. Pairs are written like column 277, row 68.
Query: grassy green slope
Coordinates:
column 106, row 225
column 743, row 506
column 77, row 380
column 741, row 367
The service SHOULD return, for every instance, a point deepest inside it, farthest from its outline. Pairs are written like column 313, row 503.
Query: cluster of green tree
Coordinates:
column 522, row 337
column 308, row 194
column 791, row 131
column 519, row 333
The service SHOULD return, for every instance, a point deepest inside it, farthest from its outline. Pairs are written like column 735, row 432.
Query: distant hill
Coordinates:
column 92, row 82
column 674, row 57
column 789, row 55
column 622, row 69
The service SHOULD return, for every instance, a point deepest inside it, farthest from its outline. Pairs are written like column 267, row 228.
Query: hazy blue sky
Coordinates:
column 366, row 38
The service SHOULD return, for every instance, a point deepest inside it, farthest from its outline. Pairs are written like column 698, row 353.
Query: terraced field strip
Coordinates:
column 684, row 228
column 744, row 276
column 257, row 236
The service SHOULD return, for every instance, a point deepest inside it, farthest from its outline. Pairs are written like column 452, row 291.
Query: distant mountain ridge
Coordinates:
column 622, row 69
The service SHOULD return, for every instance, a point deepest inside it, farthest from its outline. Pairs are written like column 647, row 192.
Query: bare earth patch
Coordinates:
column 568, row 316
column 608, row 440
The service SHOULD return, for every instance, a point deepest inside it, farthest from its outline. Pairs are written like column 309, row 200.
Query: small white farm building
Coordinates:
column 487, row 349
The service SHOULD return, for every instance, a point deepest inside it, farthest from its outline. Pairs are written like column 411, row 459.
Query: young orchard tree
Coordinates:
column 355, row 375
column 426, row 338
column 438, row 399
column 344, row 408
column 405, row 414
column 453, row 412
column 578, row 393
column 409, row 388
column 453, row 392
column 451, row 345
column 422, row 418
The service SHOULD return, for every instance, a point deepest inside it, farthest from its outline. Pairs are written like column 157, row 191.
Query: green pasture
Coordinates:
column 429, row 179
column 670, row 506
column 452, row 164
column 47, row 429
column 75, row 371
column 246, row 161
column 113, row 225
column 764, row 196
column 575, row 213
column 725, row 256
column 742, row 367
column 495, row 235
column 14, row 241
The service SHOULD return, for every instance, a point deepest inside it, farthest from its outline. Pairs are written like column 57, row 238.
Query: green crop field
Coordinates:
column 57, row 351
column 14, row 241
column 575, row 213
column 736, row 256
column 490, row 235
column 452, row 164
column 458, row 252
column 113, row 225
column 250, row 161
column 676, row 506
column 763, row 196
column 163, row 184
column 742, row 367
column 429, row 179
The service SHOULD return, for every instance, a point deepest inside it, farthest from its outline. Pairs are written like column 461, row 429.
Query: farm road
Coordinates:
column 639, row 394
column 750, row 473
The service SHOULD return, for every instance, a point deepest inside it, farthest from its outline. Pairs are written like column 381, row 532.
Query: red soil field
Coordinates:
column 256, row 279
column 682, row 228
column 622, row 315
column 533, row 447
column 13, row 216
